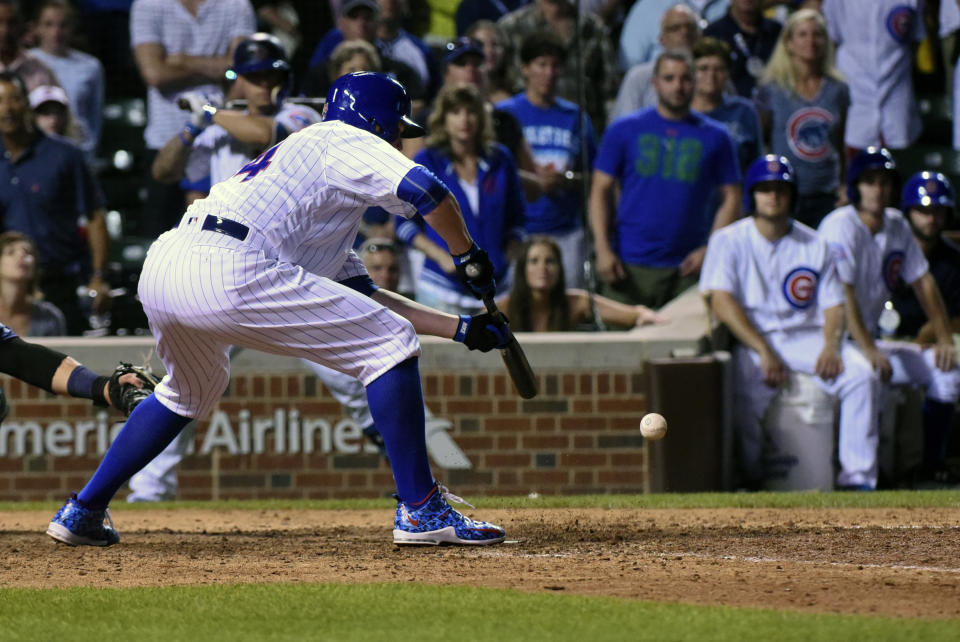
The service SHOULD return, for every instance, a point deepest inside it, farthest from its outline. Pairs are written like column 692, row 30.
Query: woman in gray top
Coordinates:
column 20, row 309
column 803, row 100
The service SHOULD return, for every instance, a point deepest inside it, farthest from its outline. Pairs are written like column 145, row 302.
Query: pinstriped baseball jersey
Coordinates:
column 268, row 276
column 873, row 263
column 308, row 194
column 782, row 286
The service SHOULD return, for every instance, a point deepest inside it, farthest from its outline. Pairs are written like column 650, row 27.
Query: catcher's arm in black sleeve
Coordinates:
column 57, row 373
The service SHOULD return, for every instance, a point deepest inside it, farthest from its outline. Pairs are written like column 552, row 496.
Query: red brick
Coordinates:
column 622, row 404
column 626, row 459
column 583, row 459
column 582, row 406
column 506, row 478
column 496, row 460
column 318, row 461
column 32, row 392
column 507, row 406
column 382, row 480
column 449, row 385
column 603, row 383
column 14, row 388
column 241, row 387
column 505, row 442
column 545, row 424
column 620, row 477
column 196, row 481
column 500, row 385
column 483, row 385
column 4, row 484
column 47, row 482
column 276, row 462
column 546, row 441
column 583, row 423
column 276, row 387
column 586, row 384
column 431, row 385
column 507, row 424
column 628, row 423
column 583, row 477
column 259, row 387
column 584, row 441
column 552, row 477
column 620, row 384
column 39, row 410
column 471, row 406
column 293, row 387
column 475, row 442
column 358, row 480
column 331, row 480
column 74, row 411
column 75, row 463
column 569, row 385
column 320, row 409
column 76, row 482
column 11, row 464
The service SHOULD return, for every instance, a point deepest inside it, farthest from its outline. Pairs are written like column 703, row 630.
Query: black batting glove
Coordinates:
column 482, row 332
column 475, row 271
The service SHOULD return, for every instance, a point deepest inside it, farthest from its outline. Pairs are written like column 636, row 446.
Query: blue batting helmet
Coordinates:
column 767, row 168
column 259, row 52
column 866, row 160
column 924, row 189
column 373, row 102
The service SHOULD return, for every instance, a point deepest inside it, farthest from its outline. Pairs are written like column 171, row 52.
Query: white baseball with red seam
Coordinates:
column 653, row 426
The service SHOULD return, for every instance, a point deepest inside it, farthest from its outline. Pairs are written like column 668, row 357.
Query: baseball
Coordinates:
column 653, row 426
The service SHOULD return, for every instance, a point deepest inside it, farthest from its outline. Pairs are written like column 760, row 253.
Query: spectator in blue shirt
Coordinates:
column 711, row 62
column 48, row 191
column 668, row 161
column 560, row 134
column 482, row 175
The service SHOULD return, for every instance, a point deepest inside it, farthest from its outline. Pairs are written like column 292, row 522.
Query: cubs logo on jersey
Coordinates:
column 900, row 22
column 800, row 287
column 808, row 133
column 892, row 266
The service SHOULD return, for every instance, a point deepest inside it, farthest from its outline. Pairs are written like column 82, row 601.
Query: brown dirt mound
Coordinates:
column 902, row 562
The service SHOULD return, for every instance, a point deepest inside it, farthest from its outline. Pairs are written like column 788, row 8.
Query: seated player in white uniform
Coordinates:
column 772, row 282
column 265, row 262
column 875, row 252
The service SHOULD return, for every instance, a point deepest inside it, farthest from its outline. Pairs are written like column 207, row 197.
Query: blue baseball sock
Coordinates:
column 396, row 404
column 148, row 431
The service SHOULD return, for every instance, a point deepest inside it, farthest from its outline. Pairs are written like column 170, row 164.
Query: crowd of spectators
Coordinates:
column 607, row 167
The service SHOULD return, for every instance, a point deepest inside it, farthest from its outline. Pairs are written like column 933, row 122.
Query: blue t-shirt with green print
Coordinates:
column 668, row 171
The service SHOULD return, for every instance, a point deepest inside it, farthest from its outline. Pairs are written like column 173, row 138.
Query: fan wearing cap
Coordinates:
column 359, row 20
column 51, row 112
column 877, row 254
column 218, row 142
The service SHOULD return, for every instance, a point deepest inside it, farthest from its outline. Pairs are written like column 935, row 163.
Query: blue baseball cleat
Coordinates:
column 436, row 522
column 79, row 526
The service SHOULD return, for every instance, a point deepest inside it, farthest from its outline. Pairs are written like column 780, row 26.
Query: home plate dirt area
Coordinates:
column 898, row 562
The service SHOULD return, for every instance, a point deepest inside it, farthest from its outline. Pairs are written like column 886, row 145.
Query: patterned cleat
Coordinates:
column 79, row 526
column 436, row 522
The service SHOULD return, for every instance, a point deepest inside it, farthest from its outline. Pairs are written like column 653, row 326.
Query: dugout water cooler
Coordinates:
column 799, row 437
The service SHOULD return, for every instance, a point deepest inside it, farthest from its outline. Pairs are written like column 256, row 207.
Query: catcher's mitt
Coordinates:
column 126, row 396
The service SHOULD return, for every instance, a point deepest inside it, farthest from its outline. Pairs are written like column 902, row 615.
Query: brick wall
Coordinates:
column 579, row 435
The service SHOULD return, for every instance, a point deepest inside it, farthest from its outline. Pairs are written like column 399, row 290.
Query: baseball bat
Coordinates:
column 513, row 356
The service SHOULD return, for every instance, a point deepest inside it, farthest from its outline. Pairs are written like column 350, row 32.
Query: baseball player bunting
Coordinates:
column 265, row 262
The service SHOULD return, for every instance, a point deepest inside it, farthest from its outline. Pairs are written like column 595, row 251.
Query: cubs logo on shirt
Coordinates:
column 808, row 133
column 900, row 23
column 892, row 266
column 800, row 287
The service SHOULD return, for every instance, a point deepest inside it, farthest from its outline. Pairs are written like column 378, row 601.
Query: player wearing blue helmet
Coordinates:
column 773, row 170
column 266, row 262
column 772, row 283
column 928, row 202
column 877, row 255
column 373, row 102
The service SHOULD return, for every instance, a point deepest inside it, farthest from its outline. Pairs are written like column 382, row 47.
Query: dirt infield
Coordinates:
column 901, row 562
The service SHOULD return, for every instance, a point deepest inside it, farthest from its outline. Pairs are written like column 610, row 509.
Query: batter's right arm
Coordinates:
column 448, row 221
column 731, row 314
